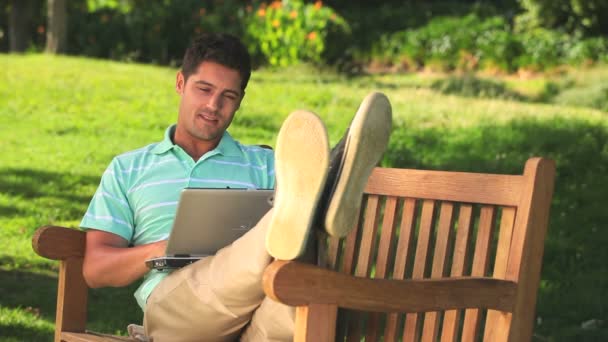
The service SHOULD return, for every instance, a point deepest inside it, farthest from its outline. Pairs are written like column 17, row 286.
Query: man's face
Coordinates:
column 209, row 99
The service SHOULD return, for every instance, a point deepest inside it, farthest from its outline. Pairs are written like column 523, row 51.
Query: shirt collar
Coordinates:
column 227, row 146
column 167, row 142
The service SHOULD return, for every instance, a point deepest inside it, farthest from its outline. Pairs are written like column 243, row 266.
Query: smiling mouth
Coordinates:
column 208, row 117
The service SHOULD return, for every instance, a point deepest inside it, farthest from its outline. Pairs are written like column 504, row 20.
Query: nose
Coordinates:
column 215, row 102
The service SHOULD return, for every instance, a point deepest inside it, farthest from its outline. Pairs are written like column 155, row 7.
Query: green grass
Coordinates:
column 62, row 119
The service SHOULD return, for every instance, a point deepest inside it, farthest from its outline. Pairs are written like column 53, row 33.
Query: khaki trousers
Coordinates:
column 220, row 298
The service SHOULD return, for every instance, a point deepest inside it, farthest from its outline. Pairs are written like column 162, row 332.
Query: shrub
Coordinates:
column 471, row 86
column 496, row 46
column 594, row 96
column 542, row 49
column 586, row 50
column 288, row 32
column 148, row 31
column 466, row 43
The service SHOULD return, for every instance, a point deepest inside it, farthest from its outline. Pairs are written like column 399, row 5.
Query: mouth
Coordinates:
column 207, row 117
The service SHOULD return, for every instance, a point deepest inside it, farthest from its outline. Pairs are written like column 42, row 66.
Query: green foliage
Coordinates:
column 452, row 42
column 586, row 51
column 289, row 32
column 394, row 35
column 150, row 31
column 576, row 16
column 541, row 49
column 472, row 43
column 496, row 46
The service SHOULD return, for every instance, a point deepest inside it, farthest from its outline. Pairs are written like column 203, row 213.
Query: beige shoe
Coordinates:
column 301, row 163
column 353, row 160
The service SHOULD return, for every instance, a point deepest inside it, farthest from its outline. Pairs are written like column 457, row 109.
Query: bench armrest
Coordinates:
column 66, row 245
column 59, row 243
column 298, row 284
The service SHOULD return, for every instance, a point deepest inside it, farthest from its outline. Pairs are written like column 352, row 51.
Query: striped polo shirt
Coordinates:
column 138, row 193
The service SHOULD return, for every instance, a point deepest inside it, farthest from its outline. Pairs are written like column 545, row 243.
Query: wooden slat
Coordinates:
column 446, row 186
column 481, row 256
column 315, row 323
column 440, row 256
column 497, row 323
column 385, row 251
column 348, row 318
column 411, row 330
column 451, row 319
column 370, row 227
column 299, row 284
column 333, row 252
column 385, row 248
column 402, row 256
column 366, row 251
column 350, row 245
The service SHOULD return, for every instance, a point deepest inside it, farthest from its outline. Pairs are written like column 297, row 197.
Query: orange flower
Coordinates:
column 276, row 23
column 312, row 35
column 318, row 5
column 261, row 12
column 293, row 14
column 202, row 11
column 40, row 29
column 276, row 4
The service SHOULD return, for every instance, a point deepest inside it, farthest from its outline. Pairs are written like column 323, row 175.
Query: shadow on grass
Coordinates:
column 593, row 95
column 266, row 123
column 50, row 191
column 574, row 277
column 30, row 183
column 10, row 211
column 35, row 294
column 471, row 86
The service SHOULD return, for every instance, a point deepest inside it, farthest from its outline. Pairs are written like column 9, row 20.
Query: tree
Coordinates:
column 18, row 24
column 56, row 34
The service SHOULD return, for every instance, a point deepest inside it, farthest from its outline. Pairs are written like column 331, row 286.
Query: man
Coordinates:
column 131, row 213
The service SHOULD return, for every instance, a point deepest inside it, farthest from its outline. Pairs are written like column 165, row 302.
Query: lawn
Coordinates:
column 62, row 119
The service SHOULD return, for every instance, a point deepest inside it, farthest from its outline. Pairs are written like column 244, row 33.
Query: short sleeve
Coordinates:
column 109, row 209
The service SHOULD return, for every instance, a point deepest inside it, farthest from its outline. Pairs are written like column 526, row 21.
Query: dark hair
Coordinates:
column 221, row 48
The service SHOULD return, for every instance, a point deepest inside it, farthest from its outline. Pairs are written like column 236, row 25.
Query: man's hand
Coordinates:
column 109, row 261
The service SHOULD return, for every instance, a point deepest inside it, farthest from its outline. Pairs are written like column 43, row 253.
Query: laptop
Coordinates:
column 207, row 220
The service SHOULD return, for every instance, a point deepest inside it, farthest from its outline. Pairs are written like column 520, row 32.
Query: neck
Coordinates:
column 195, row 148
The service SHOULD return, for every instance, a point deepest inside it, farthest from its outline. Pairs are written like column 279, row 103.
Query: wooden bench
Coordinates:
column 447, row 256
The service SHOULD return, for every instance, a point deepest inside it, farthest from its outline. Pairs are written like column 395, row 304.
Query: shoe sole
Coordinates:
column 366, row 142
column 301, row 163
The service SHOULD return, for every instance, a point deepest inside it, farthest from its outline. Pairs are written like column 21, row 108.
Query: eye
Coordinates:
column 231, row 96
column 204, row 90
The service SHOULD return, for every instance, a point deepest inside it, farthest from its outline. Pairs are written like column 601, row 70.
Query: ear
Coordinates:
column 180, row 83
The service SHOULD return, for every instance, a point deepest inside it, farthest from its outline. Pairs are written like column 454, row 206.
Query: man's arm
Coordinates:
column 108, row 261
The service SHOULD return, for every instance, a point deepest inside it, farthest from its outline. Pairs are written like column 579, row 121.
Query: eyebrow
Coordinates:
column 201, row 82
